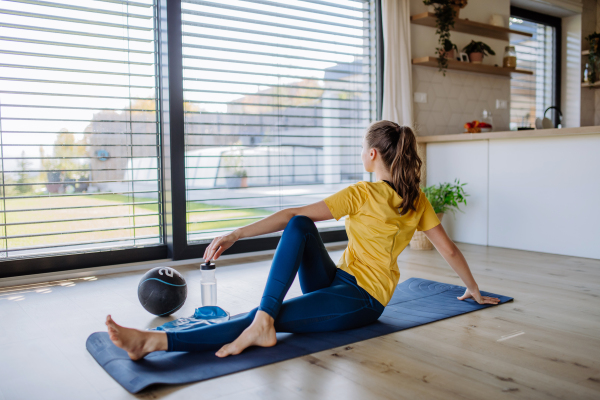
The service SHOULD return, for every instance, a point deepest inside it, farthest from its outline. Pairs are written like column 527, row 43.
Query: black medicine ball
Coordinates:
column 162, row 291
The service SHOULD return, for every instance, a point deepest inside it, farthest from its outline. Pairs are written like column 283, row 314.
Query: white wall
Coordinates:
column 458, row 96
column 424, row 40
column 537, row 194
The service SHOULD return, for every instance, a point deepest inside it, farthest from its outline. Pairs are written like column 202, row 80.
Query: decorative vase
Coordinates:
column 420, row 241
column 476, row 57
column 497, row 20
column 510, row 57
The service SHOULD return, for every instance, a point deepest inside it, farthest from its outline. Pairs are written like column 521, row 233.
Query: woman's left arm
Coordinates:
column 275, row 222
column 457, row 261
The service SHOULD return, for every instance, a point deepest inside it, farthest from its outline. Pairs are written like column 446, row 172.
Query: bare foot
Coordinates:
column 260, row 333
column 135, row 342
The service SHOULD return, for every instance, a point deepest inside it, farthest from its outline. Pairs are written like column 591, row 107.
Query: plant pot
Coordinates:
column 456, row 9
column 476, row 58
column 54, row 184
column 244, row 182
column 449, row 55
column 233, row 182
column 420, row 241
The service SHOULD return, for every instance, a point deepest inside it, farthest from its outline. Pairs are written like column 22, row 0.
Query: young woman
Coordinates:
column 381, row 218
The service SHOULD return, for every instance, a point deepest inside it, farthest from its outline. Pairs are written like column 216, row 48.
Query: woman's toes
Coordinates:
column 110, row 323
column 224, row 351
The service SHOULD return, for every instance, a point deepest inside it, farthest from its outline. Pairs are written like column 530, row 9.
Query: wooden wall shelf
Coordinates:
column 474, row 28
column 587, row 85
column 470, row 67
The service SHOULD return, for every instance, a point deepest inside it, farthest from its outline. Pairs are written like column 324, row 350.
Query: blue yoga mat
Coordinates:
column 415, row 302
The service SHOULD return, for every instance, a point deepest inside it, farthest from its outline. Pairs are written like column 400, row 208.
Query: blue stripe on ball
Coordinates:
column 160, row 280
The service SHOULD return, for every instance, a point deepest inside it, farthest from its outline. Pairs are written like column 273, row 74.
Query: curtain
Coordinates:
column 397, row 76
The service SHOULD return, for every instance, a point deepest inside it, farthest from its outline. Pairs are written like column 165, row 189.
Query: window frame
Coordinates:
column 556, row 23
column 169, row 74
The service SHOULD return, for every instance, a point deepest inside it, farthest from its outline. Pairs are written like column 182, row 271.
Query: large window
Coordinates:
column 277, row 96
column 78, row 127
column 531, row 95
column 139, row 130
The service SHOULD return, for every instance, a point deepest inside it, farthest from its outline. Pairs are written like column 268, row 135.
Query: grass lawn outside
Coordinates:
column 101, row 208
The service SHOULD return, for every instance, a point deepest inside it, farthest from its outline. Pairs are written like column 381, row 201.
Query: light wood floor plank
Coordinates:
column 544, row 345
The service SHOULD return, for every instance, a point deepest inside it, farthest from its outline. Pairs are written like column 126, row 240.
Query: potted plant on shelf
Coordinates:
column 444, row 197
column 477, row 50
column 457, row 5
column 449, row 50
column 445, row 15
column 594, row 40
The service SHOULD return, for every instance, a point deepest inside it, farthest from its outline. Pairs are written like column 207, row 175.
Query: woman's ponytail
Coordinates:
column 397, row 146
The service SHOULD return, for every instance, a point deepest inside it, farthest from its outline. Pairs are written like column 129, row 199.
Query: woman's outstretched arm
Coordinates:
column 317, row 212
column 457, row 261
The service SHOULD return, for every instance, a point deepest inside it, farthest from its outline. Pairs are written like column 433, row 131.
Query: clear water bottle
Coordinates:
column 208, row 284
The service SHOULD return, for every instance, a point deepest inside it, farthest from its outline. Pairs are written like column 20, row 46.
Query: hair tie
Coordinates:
column 399, row 131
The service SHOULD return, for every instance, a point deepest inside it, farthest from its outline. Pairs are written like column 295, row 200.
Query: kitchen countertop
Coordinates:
column 536, row 133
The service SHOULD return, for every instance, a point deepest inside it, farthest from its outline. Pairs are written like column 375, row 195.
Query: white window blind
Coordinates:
column 277, row 95
column 78, row 126
column 531, row 95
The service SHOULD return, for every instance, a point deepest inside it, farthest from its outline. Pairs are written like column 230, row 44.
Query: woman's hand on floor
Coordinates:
column 219, row 245
column 475, row 295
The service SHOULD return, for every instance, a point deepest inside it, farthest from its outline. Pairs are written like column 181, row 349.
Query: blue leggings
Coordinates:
column 332, row 299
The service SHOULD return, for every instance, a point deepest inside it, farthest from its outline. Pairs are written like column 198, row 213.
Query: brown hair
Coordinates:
column 397, row 146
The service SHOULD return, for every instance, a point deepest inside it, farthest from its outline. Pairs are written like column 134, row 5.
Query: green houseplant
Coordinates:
column 444, row 197
column 594, row 40
column 449, row 50
column 445, row 14
column 477, row 50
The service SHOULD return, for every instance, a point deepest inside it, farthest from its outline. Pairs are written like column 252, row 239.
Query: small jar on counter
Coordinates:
column 510, row 57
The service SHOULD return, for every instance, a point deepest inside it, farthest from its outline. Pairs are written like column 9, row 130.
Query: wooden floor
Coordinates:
column 544, row 345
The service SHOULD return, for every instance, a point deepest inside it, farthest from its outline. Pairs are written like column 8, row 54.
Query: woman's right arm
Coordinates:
column 457, row 261
column 273, row 223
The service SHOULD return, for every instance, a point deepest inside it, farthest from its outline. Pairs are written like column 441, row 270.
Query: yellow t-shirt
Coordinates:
column 377, row 233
